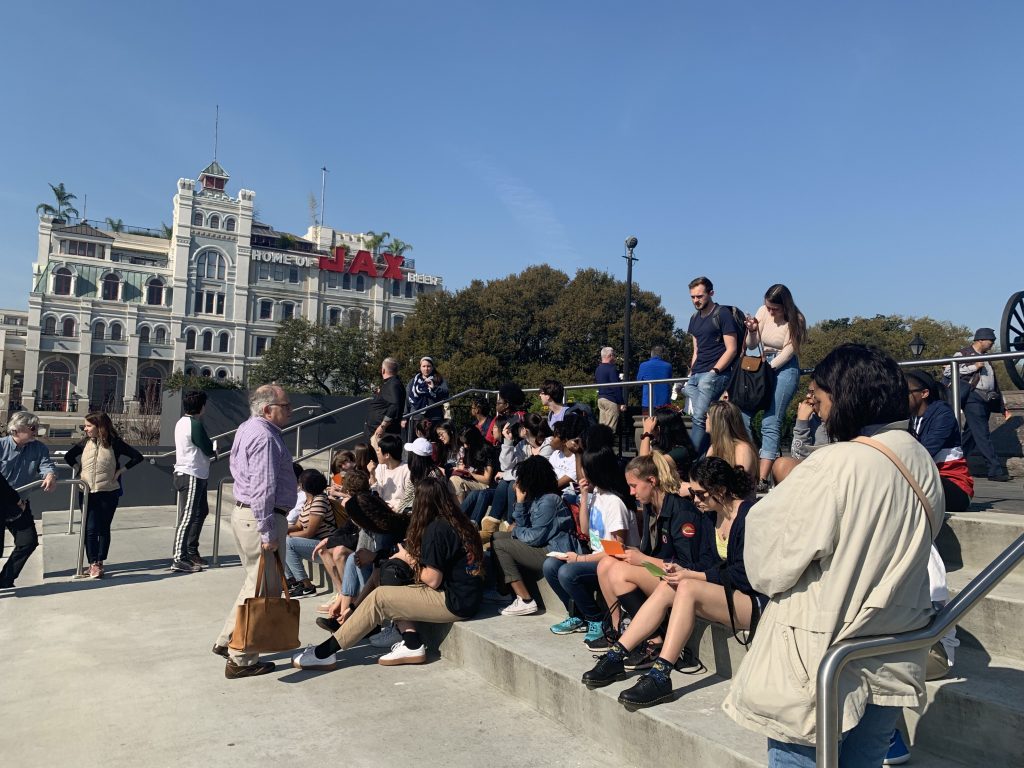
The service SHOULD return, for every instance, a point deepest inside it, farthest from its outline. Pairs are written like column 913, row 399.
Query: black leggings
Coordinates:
column 956, row 499
column 102, row 506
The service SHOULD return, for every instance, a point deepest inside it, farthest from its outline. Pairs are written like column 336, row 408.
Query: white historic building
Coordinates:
column 113, row 313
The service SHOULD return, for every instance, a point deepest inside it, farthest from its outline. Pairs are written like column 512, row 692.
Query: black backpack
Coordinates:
column 738, row 316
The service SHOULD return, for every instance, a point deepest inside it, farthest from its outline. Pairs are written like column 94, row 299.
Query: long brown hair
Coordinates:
column 101, row 420
column 725, row 423
column 780, row 294
column 434, row 500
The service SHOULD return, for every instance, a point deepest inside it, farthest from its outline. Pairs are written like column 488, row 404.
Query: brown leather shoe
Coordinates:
column 233, row 671
column 221, row 650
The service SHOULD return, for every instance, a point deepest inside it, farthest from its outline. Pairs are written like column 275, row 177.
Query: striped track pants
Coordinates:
column 193, row 507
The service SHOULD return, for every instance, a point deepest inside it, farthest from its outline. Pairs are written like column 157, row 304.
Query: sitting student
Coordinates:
column 377, row 529
column 480, row 412
column 443, row 548
column 534, row 440
column 542, row 525
column 551, row 395
column 808, row 433
column 421, row 465
column 729, row 438
column 447, row 446
column 606, row 513
column 565, row 458
column 316, row 522
column 341, row 462
column 665, row 431
column 933, row 423
column 391, row 475
column 721, row 594
column 477, row 465
column 674, row 531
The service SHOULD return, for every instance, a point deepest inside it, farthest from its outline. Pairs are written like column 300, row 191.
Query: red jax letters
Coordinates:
column 362, row 264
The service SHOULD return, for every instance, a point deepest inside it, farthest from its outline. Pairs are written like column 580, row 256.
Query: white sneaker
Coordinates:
column 386, row 638
column 402, row 655
column 520, row 607
column 308, row 660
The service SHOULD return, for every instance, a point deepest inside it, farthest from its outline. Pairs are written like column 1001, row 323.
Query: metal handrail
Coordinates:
column 216, row 519
column 73, row 482
column 328, row 447
column 829, row 725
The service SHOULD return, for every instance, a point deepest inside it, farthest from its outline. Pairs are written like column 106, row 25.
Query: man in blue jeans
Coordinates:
column 715, row 342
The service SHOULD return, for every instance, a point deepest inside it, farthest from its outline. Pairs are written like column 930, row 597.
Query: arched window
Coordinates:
column 68, row 327
column 221, row 373
column 346, row 282
column 190, row 339
column 215, row 222
column 207, row 373
column 161, row 336
column 210, row 265
column 62, row 282
column 155, row 292
column 99, row 331
column 150, row 386
column 222, row 344
column 197, row 219
column 408, row 290
column 397, row 321
column 115, row 331
column 333, row 316
column 207, row 341
column 144, row 334
column 360, row 283
column 111, row 287
column 396, row 287
column 104, row 388
column 229, row 224
column 56, row 388
column 50, row 326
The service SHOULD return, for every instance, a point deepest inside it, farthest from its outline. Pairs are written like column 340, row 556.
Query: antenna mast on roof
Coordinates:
column 216, row 128
column 323, row 189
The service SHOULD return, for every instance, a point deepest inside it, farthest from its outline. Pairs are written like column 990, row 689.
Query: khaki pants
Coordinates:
column 414, row 603
column 608, row 413
column 463, row 486
column 247, row 541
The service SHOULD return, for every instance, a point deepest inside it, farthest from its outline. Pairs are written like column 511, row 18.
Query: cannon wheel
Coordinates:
column 1011, row 336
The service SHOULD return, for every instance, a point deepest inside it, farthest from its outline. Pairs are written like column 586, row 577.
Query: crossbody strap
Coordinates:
column 879, row 446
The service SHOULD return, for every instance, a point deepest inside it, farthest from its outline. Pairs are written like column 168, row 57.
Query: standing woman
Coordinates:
column 781, row 328
column 98, row 457
column 427, row 388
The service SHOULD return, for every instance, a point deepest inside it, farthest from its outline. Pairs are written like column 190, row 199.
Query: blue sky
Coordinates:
column 870, row 155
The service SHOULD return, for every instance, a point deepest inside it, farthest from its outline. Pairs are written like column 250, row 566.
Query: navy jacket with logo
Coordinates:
column 682, row 533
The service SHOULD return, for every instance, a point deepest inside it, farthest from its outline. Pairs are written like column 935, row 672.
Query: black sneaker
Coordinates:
column 183, row 566
column 999, row 477
column 301, row 590
column 197, row 560
column 763, row 486
column 604, row 673
column 688, row 663
column 233, row 671
column 646, row 692
column 325, row 622
column 642, row 657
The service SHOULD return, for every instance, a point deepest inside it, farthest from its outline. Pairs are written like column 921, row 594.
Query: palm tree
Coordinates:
column 165, row 231
column 115, row 225
column 63, row 199
column 373, row 240
column 398, row 247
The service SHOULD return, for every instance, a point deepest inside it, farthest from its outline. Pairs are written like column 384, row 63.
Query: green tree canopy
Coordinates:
column 306, row 357
column 64, row 206
column 530, row 326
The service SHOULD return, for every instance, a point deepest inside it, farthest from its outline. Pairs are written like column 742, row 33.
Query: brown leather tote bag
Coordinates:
column 266, row 624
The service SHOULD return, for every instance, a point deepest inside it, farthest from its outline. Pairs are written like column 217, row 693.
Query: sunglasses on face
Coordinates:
column 698, row 495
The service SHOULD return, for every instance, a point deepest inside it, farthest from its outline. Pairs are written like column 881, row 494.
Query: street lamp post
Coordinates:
column 630, row 245
column 917, row 345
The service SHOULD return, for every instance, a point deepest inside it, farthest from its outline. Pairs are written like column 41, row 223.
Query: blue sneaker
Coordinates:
column 898, row 753
column 569, row 625
column 595, row 639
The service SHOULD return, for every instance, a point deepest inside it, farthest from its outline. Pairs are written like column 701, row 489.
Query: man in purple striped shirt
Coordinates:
column 261, row 466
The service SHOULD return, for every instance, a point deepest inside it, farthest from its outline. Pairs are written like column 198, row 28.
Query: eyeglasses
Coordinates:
column 695, row 494
column 286, row 406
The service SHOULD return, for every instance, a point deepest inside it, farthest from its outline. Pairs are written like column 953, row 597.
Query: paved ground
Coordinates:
column 119, row 672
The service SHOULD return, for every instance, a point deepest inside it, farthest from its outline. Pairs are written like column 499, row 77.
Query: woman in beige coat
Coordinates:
column 841, row 549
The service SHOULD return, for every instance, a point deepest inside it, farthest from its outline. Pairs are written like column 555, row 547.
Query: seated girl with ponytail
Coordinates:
column 673, row 531
column 721, row 594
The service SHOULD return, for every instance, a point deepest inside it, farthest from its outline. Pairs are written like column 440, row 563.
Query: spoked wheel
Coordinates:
column 1011, row 336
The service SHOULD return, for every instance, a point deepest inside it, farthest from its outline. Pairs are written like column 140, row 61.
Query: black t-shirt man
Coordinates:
column 708, row 335
column 388, row 404
column 462, row 581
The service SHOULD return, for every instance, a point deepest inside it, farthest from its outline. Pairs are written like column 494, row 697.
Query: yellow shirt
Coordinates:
column 722, row 545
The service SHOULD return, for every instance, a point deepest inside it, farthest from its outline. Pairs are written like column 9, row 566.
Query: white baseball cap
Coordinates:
column 420, row 446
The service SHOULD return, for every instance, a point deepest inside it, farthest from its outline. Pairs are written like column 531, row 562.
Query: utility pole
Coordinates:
column 630, row 245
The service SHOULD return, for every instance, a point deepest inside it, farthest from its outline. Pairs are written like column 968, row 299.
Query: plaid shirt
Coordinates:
column 261, row 466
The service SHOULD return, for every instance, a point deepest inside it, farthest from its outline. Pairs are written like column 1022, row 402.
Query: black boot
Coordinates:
column 606, row 671
column 649, row 690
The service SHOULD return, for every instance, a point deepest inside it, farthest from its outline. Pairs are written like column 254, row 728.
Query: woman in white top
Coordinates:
column 781, row 328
